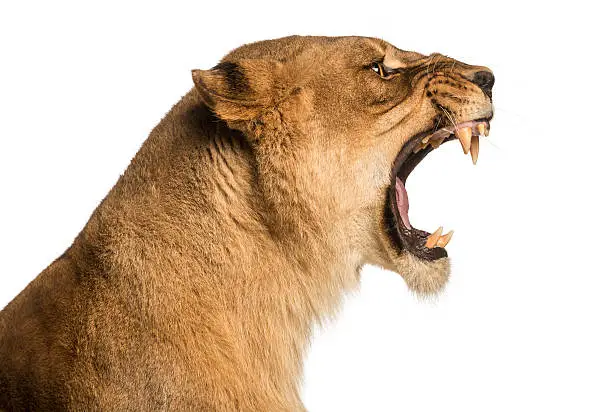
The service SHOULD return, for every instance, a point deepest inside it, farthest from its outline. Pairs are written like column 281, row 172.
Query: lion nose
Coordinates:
column 485, row 80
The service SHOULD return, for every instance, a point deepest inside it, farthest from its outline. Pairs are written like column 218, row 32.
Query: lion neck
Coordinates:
column 196, row 217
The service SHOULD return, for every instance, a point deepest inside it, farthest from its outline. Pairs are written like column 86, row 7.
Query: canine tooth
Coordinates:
column 465, row 137
column 444, row 239
column 474, row 148
column 432, row 240
column 481, row 128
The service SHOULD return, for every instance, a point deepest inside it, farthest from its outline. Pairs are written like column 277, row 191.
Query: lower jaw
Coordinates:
column 405, row 239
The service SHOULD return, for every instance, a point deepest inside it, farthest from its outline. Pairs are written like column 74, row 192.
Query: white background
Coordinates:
column 525, row 322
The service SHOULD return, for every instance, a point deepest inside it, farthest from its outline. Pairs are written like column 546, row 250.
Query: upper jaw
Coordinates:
column 417, row 147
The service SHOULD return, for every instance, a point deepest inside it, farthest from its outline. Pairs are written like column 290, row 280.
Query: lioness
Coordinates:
column 242, row 220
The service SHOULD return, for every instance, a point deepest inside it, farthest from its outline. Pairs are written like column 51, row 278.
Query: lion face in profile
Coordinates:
column 337, row 125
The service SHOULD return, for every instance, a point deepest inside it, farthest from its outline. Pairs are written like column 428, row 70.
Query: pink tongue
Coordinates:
column 401, row 197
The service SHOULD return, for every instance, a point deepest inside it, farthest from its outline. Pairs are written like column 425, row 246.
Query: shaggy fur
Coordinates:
column 242, row 221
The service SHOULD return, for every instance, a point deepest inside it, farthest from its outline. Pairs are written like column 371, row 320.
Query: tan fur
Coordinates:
column 242, row 221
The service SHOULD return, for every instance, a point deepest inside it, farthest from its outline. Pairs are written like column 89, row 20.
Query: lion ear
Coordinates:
column 239, row 91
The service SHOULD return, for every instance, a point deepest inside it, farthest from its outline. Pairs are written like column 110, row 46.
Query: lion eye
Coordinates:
column 383, row 71
column 379, row 69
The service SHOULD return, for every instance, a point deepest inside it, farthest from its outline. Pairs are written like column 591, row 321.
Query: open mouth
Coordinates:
column 425, row 245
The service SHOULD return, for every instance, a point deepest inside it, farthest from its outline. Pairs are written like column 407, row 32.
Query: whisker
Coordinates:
column 448, row 115
column 437, row 124
column 515, row 114
column 428, row 63
column 436, row 62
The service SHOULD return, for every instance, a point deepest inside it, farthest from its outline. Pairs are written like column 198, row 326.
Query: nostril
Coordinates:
column 484, row 80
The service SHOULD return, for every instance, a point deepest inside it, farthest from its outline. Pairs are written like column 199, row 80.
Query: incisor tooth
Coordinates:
column 486, row 131
column 444, row 239
column 474, row 148
column 432, row 240
column 481, row 128
column 465, row 137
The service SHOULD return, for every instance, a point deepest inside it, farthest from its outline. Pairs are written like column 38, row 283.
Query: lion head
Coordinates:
column 336, row 126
